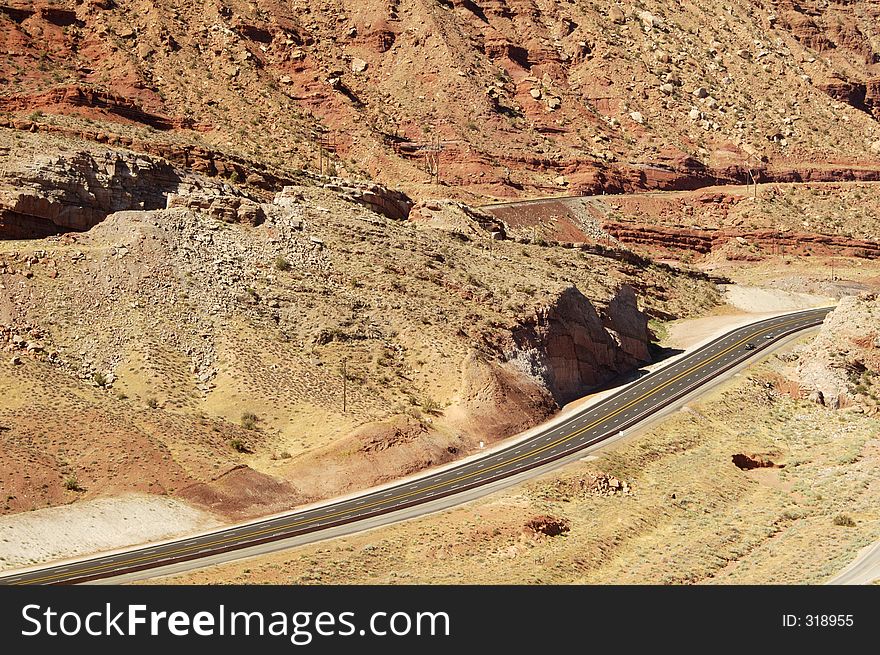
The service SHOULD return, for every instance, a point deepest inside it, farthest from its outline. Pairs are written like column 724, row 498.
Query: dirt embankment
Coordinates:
column 770, row 241
column 96, row 525
column 694, row 500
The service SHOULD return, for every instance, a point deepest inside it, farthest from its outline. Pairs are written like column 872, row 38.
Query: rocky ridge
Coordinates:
column 518, row 98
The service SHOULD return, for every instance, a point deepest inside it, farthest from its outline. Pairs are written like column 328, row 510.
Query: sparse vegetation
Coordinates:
column 844, row 520
column 238, row 445
column 71, row 483
column 249, row 421
column 431, row 406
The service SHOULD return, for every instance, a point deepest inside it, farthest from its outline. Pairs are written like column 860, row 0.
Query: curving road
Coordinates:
column 865, row 569
column 630, row 406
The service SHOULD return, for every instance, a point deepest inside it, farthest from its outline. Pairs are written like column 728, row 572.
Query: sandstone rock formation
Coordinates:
column 571, row 348
column 46, row 189
column 74, row 192
column 711, row 240
column 45, row 194
column 459, row 218
column 546, row 525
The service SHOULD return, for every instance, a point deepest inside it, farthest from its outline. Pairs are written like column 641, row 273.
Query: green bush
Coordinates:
column 249, row 421
column 72, row 484
column 238, row 445
column 844, row 520
column 431, row 406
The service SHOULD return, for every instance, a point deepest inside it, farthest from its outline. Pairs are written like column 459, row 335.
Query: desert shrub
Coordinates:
column 844, row 520
column 72, row 484
column 249, row 421
column 431, row 406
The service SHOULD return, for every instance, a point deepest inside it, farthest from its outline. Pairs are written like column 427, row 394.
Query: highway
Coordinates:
column 620, row 411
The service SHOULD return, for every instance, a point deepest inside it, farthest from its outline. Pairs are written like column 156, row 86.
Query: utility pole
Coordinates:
column 751, row 175
column 432, row 158
column 344, row 384
column 326, row 145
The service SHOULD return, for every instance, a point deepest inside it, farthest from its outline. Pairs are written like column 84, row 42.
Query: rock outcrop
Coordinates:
column 391, row 203
column 459, row 218
column 495, row 400
column 74, row 192
column 546, row 525
column 570, row 347
column 711, row 240
column 841, row 365
column 514, row 98
column 230, row 209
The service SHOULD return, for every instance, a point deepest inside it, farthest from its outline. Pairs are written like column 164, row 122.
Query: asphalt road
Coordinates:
column 618, row 412
column 863, row 570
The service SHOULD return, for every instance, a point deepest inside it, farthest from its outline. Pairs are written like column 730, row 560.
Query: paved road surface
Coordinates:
column 630, row 406
column 863, row 570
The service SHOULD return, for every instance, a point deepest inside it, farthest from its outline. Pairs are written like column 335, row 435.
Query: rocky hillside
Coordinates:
column 522, row 96
column 840, row 367
column 245, row 342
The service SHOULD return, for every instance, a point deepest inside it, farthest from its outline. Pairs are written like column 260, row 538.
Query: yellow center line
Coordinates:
column 531, row 453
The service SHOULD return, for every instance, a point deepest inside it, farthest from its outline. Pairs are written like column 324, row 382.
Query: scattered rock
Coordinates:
column 616, row 15
column 647, row 19
column 547, row 525
column 747, row 462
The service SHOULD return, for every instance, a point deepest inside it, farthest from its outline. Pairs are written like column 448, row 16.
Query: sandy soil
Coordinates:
column 92, row 526
column 756, row 299
column 745, row 304
column 687, row 333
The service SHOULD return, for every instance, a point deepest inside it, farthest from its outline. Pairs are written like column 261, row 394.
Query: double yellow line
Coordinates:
column 440, row 485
